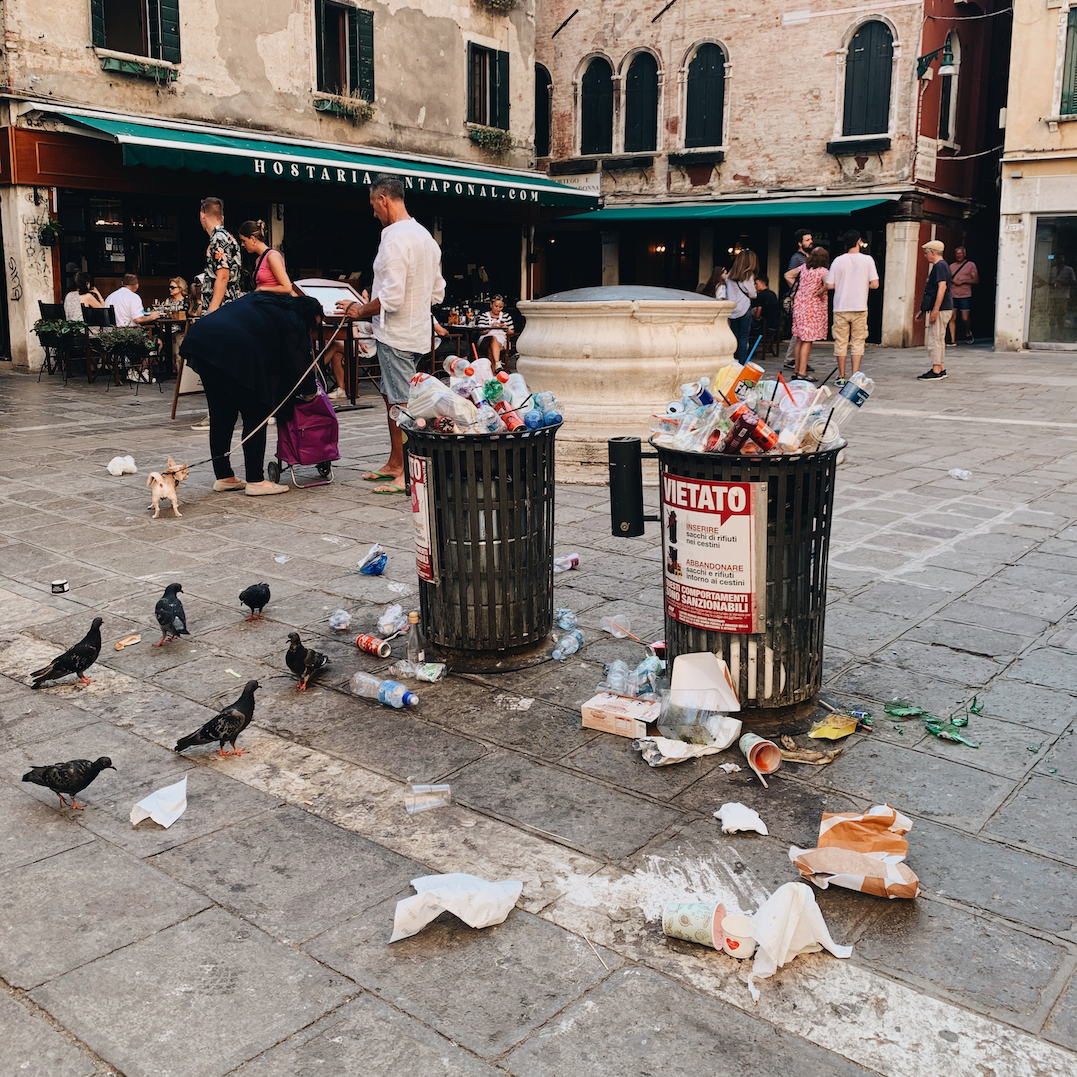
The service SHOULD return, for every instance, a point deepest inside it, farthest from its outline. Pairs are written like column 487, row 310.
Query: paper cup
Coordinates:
column 764, row 756
column 737, row 938
column 60, row 587
column 694, row 922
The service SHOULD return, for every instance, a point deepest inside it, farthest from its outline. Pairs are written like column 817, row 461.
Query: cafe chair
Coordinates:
column 52, row 344
column 97, row 359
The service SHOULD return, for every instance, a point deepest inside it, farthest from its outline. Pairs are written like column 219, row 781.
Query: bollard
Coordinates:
column 626, row 487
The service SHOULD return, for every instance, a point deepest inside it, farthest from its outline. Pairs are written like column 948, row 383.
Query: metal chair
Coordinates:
column 97, row 359
column 51, row 344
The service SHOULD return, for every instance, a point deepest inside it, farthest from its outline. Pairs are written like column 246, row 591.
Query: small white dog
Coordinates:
column 164, row 485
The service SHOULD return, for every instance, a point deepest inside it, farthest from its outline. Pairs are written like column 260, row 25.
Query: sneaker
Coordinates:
column 840, row 383
column 790, row 364
column 202, row 424
column 337, row 394
column 265, row 488
column 223, row 485
column 931, row 375
column 272, row 421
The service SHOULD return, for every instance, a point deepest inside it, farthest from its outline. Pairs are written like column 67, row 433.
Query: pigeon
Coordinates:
column 302, row 661
column 256, row 598
column 170, row 615
column 69, row 778
column 226, row 726
column 77, row 660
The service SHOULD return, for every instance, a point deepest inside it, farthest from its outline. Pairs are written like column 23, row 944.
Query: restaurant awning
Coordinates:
column 683, row 211
column 200, row 149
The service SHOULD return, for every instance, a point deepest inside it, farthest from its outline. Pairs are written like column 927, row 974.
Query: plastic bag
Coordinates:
column 374, row 562
column 392, row 621
column 339, row 620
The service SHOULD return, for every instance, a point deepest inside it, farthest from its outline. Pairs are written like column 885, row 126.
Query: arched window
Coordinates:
column 596, row 108
column 706, row 97
column 641, row 105
column 543, row 84
column 868, row 67
column 951, row 55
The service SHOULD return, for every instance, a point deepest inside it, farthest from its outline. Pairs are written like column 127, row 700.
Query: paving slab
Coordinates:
column 1062, row 1024
column 30, row 1048
column 32, row 829
column 1030, row 705
column 1041, row 816
column 1049, row 667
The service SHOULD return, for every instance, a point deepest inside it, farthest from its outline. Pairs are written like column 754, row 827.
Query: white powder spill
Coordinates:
column 513, row 703
column 399, row 588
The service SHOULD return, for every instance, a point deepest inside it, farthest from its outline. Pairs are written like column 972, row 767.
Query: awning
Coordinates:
column 199, row 149
column 685, row 211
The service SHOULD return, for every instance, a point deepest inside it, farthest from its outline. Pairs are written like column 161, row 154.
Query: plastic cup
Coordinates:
column 425, row 797
column 694, row 921
column 764, row 756
column 737, row 938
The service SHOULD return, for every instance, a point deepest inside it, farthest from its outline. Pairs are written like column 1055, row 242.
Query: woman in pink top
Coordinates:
column 810, row 310
column 269, row 272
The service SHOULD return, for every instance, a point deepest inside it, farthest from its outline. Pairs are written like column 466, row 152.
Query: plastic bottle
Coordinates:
column 563, row 564
column 851, row 398
column 482, row 369
column 534, row 419
column 455, row 366
column 617, row 677
column 566, row 619
column 416, row 644
column 389, row 693
column 494, row 392
column 516, row 389
column 567, row 645
column 488, row 421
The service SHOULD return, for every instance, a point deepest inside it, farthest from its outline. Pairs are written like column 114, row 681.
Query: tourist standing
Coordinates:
column 851, row 277
column 810, row 308
column 936, row 308
column 964, row 275
column 740, row 291
column 270, row 274
column 804, row 241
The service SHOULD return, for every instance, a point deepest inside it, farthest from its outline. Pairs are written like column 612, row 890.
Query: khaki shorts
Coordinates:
column 850, row 325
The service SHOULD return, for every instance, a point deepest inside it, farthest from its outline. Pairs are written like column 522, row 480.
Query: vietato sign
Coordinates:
column 714, row 553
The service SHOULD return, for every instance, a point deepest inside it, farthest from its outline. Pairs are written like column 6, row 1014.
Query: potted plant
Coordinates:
column 493, row 140
column 51, row 333
column 49, row 232
column 354, row 109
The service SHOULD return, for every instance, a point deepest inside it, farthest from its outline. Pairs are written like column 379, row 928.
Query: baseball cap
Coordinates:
column 934, row 245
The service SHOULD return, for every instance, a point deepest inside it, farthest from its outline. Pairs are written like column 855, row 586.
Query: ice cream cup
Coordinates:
column 694, row 921
column 764, row 756
column 737, row 938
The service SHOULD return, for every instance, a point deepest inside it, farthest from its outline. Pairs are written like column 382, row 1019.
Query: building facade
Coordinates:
column 1037, row 285
column 118, row 116
column 707, row 130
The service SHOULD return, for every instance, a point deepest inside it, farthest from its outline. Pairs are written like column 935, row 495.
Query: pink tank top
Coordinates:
column 265, row 275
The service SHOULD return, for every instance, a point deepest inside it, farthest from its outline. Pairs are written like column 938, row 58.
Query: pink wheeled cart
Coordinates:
column 308, row 439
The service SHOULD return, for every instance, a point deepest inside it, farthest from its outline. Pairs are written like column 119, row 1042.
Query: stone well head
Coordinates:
column 614, row 356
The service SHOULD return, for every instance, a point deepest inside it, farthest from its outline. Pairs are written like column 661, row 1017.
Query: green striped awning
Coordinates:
column 800, row 208
column 198, row 149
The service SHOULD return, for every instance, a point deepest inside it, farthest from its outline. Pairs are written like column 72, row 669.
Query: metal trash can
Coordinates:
column 483, row 506
column 745, row 541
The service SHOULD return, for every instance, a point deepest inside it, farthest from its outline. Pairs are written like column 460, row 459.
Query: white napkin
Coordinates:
column 164, row 806
column 736, row 817
column 478, row 902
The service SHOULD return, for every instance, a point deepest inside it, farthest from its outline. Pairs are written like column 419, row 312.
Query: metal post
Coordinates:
column 626, row 486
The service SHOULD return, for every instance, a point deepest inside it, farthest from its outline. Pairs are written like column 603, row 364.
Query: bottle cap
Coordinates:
column 411, row 699
column 502, row 377
column 413, row 618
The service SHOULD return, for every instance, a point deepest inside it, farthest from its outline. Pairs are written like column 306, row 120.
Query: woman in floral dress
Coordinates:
column 810, row 320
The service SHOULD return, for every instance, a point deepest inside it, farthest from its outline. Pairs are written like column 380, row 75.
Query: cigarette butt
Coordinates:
column 234, row 674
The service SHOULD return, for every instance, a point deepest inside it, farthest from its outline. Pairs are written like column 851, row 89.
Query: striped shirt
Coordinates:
column 487, row 321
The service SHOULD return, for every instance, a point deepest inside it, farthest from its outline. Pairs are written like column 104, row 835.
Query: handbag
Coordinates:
column 787, row 300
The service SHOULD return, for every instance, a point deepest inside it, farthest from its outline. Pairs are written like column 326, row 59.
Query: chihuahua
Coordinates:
column 164, row 485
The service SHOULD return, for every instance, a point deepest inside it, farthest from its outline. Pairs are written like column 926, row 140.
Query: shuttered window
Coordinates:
column 345, row 48
column 706, row 98
column 868, row 68
column 641, row 105
column 487, row 86
column 596, row 108
column 138, row 27
column 543, row 85
column 1069, row 71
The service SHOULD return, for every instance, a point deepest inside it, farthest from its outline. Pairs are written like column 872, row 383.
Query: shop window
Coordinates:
column 138, row 27
column 487, row 86
column 345, row 50
column 1052, row 316
column 1069, row 70
column 641, row 105
column 706, row 98
column 868, row 68
column 543, row 91
column 948, row 91
column 596, row 108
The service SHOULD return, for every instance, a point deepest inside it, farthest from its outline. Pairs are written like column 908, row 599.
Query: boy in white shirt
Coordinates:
column 852, row 275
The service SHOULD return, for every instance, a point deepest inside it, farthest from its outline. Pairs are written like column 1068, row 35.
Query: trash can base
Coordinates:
column 461, row 661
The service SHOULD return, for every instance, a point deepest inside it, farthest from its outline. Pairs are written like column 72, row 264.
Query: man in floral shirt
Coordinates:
column 223, row 265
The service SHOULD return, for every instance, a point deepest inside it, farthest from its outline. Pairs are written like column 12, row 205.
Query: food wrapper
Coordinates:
column 478, row 902
column 833, row 727
column 735, row 817
column 861, row 851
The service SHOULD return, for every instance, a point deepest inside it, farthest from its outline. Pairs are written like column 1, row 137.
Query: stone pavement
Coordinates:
column 251, row 937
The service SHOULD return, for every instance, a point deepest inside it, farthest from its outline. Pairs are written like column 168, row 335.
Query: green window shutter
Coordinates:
column 596, row 108
column 501, row 96
column 97, row 23
column 1069, row 71
column 361, row 53
column 641, row 104
column 164, row 30
column 319, row 40
column 473, row 89
column 868, row 68
column 706, row 98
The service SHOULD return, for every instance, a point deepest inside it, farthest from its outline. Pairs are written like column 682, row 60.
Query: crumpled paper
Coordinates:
column 862, row 851
column 719, row 729
column 735, row 817
column 788, row 924
column 164, row 806
column 121, row 465
column 478, row 902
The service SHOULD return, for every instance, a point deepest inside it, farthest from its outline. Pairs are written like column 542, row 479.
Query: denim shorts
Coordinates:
column 965, row 303
column 397, row 370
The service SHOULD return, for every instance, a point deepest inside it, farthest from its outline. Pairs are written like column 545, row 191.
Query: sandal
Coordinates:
column 390, row 488
column 377, row 476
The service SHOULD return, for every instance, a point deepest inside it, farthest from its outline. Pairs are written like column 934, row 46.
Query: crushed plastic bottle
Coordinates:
column 339, row 620
column 393, row 621
column 564, row 564
column 425, row 671
column 567, row 645
column 617, row 677
column 959, row 473
column 388, row 693
column 565, row 619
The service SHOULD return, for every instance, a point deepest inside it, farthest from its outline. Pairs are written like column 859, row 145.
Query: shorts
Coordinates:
column 397, row 370
column 964, row 303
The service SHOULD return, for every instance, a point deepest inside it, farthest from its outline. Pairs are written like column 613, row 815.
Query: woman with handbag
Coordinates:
column 810, row 308
column 740, row 290
column 270, row 274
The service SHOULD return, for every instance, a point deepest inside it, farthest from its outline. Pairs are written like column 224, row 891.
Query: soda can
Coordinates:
column 373, row 645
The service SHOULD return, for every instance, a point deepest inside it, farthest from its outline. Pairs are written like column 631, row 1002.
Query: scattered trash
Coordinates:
column 1033, row 749
column 393, row 621
column 476, row 901
column 619, row 628
column 730, row 768
column 234, row 674
column 565, row 619
column 788, row 924
column 661, row 751
column 641, row 681
column 694, row 921
column 373, row 645
column 862, row 851
column 833, row 727
column 764, row 756
column 944, row 728
column 374, row 562
column 624, row 716
column 793, row 753
column 339, row 620
column 389, row 693
column 566, row 563
column 283, row 559
column 164, row 806
column 702, row 682
column 127, row 641
column 1051, row 770
column 420, row 671
column 737, row 938
column 567, row 645
column 958, row 473
column 60, row 587
column 735, row 817
column 121, row 465
column 420, row 798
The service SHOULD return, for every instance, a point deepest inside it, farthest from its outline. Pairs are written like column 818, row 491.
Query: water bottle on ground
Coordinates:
column 567, row 645
column 566, row 619
column 416, row 644
column 389, row 693
column 564, row 564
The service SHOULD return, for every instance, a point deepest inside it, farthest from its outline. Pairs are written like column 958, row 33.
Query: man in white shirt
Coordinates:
column 127, row 304
column 407, row 283
column 852, row 275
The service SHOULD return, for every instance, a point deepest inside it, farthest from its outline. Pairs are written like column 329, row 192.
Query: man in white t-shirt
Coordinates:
column 407, row 283
column 852, row 275
column 127, row 304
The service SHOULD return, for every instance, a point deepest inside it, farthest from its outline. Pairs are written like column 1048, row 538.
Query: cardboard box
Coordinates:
column 625, row 716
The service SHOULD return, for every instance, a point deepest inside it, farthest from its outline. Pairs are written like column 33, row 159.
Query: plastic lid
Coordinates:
column 411, row 699
column 413, row 618
column 502, row 377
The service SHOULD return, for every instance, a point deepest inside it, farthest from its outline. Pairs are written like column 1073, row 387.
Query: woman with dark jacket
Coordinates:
column 250, row 354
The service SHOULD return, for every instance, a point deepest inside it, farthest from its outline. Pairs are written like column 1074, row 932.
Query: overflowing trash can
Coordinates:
column 484, row 530
column 745, row 541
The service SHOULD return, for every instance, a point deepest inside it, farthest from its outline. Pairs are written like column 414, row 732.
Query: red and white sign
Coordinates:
column 420, row 514
column 714, row 553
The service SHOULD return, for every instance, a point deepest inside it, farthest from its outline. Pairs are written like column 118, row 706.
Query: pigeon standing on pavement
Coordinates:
column 69, row 778
column 77, row 660
column 303, row 661
column 256, row 598
column 227, row 725
column 170, row 615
